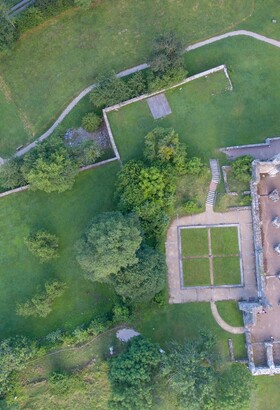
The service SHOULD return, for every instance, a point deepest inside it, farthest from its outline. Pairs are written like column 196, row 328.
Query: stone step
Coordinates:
column 210, row 198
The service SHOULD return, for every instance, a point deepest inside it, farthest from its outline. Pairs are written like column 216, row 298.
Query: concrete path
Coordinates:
column 223, row 324
column 264, row 151
column 180, row 294
column 141, row 67
column 235, row 33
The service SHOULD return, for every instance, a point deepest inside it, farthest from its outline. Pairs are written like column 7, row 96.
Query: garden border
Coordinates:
column 208, row 227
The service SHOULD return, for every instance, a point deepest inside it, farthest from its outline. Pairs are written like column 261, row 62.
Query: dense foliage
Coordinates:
column 242, row 168
column 91, row 122
column 132, row 375
column 112, row 90
column 110, row 244
column 166, row 62
column 147, row 191
column 41, row 303
column 162, row 146
column 48, row 167
column 43, row 244
column 14, row 354
column 140, row 282
column 86, row 152
column 10, row 174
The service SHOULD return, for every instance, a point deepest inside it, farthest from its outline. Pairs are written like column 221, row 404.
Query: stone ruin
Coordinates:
column 274, row 195
column 276, row 222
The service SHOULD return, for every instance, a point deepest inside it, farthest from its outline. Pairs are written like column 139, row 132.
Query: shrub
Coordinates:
column 191, row 208
column 121, row 314
column 11, row 175
column 29, row 18
column 242, row 168
column 86, row 153
column 194, row 166
column 8, row 32
column 41, row 304
column 110, row 90
column 43, row 244
column 174, row 76
column 91, row 122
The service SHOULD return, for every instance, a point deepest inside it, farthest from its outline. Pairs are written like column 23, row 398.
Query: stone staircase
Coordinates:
column 216, row 177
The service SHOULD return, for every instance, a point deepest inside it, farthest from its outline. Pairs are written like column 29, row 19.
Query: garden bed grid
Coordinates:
column 212, row 256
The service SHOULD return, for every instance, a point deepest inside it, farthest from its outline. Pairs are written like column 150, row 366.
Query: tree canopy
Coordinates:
column 10, row 174
column 49, row 167
column 43, row 244
column 140, row 282
column 41, row 303
column 132, row 374
column 242, row 168
column 110, row 244
column 163, row 146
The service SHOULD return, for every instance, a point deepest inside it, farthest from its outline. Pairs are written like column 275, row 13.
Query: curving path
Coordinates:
column 223, row 324
column 141, row 67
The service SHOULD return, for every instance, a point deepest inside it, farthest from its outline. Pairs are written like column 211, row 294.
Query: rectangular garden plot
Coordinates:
column 194, row 242
column 196, row 272
column 226, row 270
column 224, row 240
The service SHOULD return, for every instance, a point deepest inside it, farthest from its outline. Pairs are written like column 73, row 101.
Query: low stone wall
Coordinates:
column 14, row 191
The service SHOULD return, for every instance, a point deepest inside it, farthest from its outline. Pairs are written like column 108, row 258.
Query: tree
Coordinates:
column 41, row 304
column 48, row 167
column 242, row 168
column 163, row 146
column 167, row 54
column 142, row 281
column 8, row 32
column 110, row 244
column 91, row 122
column 194, row 166
column 148, row 191
column 110, row 90
column 190, row 373
column 10, row 174
column 132, row 375
column 43, row 244
column 14, row 354
column 234, row 387
column 137, row 85
column 86, row 152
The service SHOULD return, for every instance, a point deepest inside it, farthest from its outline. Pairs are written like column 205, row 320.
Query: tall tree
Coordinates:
column 140, row 282
column 110, row 244
column 43, row 244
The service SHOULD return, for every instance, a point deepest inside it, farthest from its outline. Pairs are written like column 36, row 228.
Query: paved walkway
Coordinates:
column 223, row 324
column 141, row 67
column 266, row 150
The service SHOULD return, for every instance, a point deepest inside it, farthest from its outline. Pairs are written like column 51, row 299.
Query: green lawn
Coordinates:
column 196, row 272
column 229, row 311
column 224, row 241
column 226, row 270
column 55, row 61
column 194, row 241
column 67, row 215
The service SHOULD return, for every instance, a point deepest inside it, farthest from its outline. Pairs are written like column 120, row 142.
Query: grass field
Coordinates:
column 66, row 215
column 196, row 272
column 226, row 270
column 65, row 54
column 224, row 241
column 229, row 311
column 194, row 242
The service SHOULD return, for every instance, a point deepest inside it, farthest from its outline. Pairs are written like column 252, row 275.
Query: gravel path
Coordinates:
column 223, row 324
column 141, row 67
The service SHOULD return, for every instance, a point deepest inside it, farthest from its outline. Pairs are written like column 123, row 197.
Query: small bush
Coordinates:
column 30, row 18
column 195, row 166
column 91, row 122
column 160, row 298
column 121, row 314
column 11, row 175
column 242, row 168
column 44, row 245
column 191, row 208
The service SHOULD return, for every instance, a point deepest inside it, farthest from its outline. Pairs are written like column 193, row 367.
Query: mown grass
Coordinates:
column 226, row 270
column 67, row 215
column 194, row 242
column 196, row 272
column 229, row 311
column 224, row 241
column 55, row 61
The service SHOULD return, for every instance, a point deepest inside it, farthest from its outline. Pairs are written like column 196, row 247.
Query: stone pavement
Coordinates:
column 179, row 294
